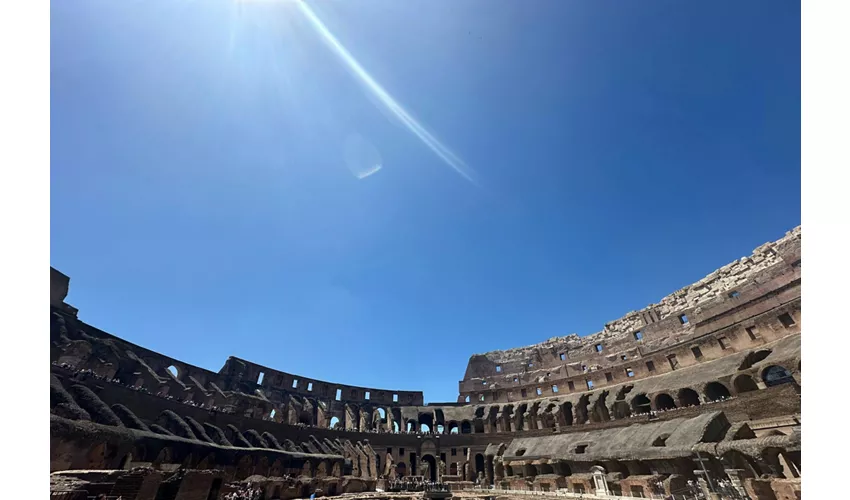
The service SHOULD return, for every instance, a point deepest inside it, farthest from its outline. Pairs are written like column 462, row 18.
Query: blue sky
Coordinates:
column 215, row 190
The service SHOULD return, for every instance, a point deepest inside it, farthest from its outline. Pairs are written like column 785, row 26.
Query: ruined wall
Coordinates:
column 766, row 280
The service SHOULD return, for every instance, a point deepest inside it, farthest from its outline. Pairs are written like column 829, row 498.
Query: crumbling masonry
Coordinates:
column 701, row 390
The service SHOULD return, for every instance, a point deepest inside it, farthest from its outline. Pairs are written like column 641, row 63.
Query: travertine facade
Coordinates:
column 702, row 387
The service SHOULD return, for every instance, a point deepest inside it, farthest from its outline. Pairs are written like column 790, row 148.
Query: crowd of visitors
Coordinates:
column 244, row 491
column 415, row 484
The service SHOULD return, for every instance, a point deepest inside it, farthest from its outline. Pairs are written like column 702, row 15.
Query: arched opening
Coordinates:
column 665, row 402
column 567, row 412
column 744, row 383
column 423, row 428
column 465, row 427
column 378, row 471
column 412, row 425
column 688, row 397
column 479, row 463
column 776, row 375
column 401, row 469
column 479, row 426
column 715, row 391
column 395, row 426
column 432, row 466
column 453, row 469
column 753, row 358
column 621, row 410
column 173, row 370
column 334, row 422
column 640, row 404
column 383, row 413
column 546, row 469
column 453, row 429
column 426, row 421
column 441, row 429
column 529, row 471
column 271, row 415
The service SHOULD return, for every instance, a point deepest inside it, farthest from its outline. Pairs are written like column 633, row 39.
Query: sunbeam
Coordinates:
column 386, row 99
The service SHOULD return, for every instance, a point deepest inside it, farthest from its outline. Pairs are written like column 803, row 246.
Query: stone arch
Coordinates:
column 664, row 401
column 688, row 397
column 335, row 422
column 174, row 371
column 546, row 468
column 432, row 466
column 754, row 357
column 465, row 427
column 715, row 391
column 776, row 375
column 401, row 469
column 453, row 427
column 641, row 404
column 744, row 383
column 621, row 409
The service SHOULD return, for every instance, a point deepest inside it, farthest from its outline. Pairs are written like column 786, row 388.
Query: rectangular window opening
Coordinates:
column 638, row 335
column 563, row 356
column 498, row 368
column 539, row 391
column 724, row 343
column 581, row 448
column 260, row 378
column 295, row 383
column 609, row 377
column 697, row 352
column 598, row 347
column 466, row 399
column 454, row 451
column 310, row 386
column 367, row 395
column 555, row 389
column 589, row 384
column 571, row 385
column 401, row 452
column 338, row 394
column 733, row 294
column 786, row 320
column 650, row 366
column 683, row 319
column 524, row 393
column 481, row 397
column 629, row 372
column 753, row 333
column 510, row 395
column 674, row 363
column 395, row 398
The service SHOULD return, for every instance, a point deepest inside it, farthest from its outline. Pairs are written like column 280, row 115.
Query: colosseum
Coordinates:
column 696, row 396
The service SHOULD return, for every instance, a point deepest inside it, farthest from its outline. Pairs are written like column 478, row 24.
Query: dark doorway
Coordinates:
column 432, row 467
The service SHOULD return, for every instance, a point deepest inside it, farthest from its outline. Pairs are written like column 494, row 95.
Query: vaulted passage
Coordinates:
column 744, row 383
column 688, row 397
column 664, row 401
column 715, row 391
column 640, row 404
